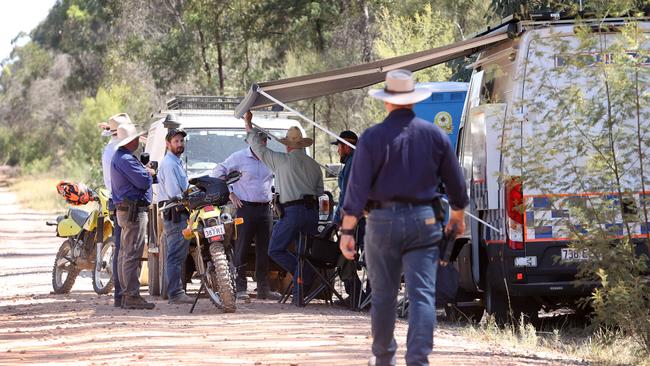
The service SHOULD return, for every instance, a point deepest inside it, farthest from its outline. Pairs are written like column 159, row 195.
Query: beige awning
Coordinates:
column 360, row 76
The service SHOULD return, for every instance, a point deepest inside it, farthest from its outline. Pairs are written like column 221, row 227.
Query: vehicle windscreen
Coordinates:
column 205, row 148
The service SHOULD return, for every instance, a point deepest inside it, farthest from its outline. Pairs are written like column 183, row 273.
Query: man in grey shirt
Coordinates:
column 299, row 181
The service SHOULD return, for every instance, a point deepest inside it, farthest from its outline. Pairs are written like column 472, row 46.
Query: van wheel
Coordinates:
column 496, row 304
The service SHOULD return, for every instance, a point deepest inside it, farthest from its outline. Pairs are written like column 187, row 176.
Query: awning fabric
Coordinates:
column 360, row 76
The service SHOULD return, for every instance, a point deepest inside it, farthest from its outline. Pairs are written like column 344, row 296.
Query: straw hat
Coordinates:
column 400, row 89
column 295, row 140
column 114, row 122
column 126, row 133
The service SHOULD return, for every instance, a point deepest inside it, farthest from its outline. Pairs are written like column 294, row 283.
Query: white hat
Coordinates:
column 400, row 89
column 295, row 140
column 126, row 133
column 114, row 122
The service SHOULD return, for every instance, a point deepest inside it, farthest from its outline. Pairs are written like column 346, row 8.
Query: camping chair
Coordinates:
column 321, row 255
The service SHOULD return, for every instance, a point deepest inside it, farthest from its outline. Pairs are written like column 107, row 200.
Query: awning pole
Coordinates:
column 262, row 92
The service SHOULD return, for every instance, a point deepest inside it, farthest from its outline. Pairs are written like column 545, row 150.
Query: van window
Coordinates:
column 205, row 148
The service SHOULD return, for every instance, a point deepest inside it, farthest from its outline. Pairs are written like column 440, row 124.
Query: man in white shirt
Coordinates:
column 252, row 196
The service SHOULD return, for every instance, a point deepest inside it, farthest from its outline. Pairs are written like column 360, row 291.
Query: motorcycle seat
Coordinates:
column 79, row 216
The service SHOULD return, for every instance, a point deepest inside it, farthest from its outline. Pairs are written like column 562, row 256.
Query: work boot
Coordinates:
column 117, row 302
column 267, row 294
column 181, row 299
column 243, row 296
column 136, row 302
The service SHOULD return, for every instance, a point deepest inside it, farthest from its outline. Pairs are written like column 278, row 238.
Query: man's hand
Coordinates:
column 456, row 219
column 348, row 246
column 235, row 200
column 150, row 171
column 248, row 119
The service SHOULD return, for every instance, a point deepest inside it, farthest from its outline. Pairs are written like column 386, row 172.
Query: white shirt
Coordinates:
column 256, row 179
column 107, row 156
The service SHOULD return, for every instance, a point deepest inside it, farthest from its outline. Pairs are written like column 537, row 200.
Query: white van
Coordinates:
column 518, row 260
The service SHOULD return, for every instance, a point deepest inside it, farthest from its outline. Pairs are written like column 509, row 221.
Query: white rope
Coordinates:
column 262, row 92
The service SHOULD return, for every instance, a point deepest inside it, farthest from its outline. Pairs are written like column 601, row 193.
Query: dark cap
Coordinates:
column 348, row 136
column 173, row 132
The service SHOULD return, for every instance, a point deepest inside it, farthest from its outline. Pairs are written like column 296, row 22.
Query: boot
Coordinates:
column 243, row 296
column 265, row 293
column 136, row 302
column 181, row 299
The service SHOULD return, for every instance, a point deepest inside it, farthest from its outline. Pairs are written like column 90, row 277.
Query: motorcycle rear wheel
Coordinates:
column 64, row 272
column 103, row 271
column 221, row 291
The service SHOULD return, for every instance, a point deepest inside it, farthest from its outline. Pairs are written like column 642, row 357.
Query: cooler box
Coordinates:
column 444, row 107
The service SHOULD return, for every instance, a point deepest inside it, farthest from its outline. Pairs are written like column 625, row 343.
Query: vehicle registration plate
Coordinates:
column 574, row 255
column 211, row 231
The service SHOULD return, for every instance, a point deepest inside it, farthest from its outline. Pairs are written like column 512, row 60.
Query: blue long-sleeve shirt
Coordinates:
column 403, row 158
column 343, row 184
column 129, row 178
column 172, row 179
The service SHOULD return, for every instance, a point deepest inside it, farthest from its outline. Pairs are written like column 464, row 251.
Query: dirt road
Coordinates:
column 37, row 327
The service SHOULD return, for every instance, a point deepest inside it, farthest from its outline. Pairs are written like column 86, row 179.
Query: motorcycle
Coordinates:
column 212, row 226
column 88, row 241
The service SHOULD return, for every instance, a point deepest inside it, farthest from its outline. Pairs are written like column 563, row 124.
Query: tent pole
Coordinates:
column 262, row 92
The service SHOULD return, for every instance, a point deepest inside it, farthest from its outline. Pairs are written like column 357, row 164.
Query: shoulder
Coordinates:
column 428, row 129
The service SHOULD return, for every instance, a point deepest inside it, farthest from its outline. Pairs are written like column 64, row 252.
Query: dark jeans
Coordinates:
column 176, row 249
column 131, row 249
column 399, row 240
column 257, row 225
column 296, row 219
column 117, row 233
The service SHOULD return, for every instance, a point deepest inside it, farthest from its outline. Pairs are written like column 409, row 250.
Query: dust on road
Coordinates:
column 83, row 328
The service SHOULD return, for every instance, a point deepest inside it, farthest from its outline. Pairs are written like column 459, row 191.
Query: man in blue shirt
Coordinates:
column 107, row 157
column 172, row 182
column 404, row 159
column 131, row 189
column 251, row 194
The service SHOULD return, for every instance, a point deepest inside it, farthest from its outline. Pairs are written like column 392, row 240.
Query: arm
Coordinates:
column 359, row 181
column 136, row 173
column 222, row 169
column 269, row 157
column 452, row 177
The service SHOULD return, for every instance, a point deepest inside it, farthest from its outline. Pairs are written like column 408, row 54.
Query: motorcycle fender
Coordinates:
column 91, row 223
column 204, row 215
column 67, row 227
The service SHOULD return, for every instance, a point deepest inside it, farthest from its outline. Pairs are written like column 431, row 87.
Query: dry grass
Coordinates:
column 598, row 347
column 38, row 192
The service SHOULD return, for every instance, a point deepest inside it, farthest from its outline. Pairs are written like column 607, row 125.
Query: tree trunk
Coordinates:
column 204, row 55
column 366, row 52
column 220, row 67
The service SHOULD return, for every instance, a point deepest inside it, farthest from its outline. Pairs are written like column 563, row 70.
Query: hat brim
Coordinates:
column 297, row 144
column 128, row 139
column 417, row 95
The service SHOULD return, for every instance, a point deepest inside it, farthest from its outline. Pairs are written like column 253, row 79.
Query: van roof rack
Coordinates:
column 207, row 102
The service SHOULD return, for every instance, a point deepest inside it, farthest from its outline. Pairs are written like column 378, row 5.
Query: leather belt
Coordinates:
column 373, row 205
column 126, row 208
column 248, row 203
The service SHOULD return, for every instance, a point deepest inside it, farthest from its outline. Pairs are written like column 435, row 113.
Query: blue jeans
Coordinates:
column 176, row 249
column 296, row 219
column 117, row 233
column 402, row 239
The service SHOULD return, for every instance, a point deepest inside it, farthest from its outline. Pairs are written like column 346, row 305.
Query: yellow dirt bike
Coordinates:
column 211, row 227
column 88, row 241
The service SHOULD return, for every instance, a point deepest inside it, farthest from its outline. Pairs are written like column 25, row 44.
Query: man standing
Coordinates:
column 404, row 159
column 252, row 196
column 172, row 182
column 131, row 188
column 107, row 156
column 348, row 268
column 299, row 181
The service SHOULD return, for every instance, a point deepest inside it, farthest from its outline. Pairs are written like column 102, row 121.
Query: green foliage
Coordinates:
column 425, row 29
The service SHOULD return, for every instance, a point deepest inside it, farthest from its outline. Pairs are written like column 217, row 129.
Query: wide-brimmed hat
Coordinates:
column 114, row 122
column 400, row 89
column 348, row 136
column 295, row 140
column 126, row 133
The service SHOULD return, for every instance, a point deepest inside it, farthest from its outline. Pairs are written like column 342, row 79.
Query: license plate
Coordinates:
column 526, row 261
column 211, row 231
column 574, row 255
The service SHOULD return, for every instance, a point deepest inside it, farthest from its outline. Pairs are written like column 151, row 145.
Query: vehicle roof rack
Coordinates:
column 208, row 102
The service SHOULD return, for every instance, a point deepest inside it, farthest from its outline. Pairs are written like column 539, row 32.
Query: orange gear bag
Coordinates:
column 73, row 193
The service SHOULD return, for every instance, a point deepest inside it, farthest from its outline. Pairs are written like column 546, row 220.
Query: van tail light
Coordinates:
column 515, row 211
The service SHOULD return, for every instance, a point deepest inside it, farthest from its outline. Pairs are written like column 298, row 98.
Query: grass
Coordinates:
column 599, row 347
column 38, row 192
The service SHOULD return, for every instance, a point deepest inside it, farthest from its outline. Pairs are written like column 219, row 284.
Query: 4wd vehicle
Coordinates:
column 213, row 133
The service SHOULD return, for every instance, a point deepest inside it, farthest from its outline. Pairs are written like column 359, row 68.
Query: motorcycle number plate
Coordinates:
column 211, row 231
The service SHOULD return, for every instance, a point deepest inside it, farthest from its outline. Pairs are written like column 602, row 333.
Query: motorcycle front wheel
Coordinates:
column 220, row 287
column 103, row 272
column 64, row 272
